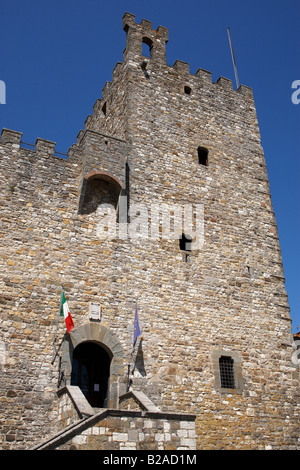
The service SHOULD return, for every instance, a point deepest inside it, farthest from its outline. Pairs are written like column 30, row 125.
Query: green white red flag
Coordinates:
column 65, row 312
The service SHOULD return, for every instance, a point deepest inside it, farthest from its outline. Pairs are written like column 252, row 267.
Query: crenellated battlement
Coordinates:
column 42, row 146
column 136, row 35
column 8, row 136
column 108, row 114
column 139, row 34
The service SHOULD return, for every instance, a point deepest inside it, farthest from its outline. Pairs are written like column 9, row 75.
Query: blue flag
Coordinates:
column 136, row 331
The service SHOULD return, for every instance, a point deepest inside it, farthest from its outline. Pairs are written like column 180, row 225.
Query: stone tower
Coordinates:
column 163, row 206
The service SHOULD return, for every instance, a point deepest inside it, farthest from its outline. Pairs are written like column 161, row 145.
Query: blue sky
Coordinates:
column 57, row 55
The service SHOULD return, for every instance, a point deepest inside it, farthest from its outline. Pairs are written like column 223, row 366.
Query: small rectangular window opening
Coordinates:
column 185, row 245
column 226, row 372
column 187, row 90
column 202, row 156
column 144, row 69
column 104, row 108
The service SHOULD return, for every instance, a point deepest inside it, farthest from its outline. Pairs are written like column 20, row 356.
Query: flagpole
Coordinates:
column 135, row 326
column 134, row 339
column 233, row 60
column 61, row 296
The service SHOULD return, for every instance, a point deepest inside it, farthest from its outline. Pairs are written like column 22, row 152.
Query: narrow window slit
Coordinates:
column 203, row 156
column 185, row 245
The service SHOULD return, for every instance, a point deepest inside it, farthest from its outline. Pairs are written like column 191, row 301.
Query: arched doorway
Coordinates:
column 90, row 372
column 98, row 334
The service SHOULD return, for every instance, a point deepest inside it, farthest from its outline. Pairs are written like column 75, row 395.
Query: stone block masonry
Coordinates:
column 82, row 428
column 146, row 139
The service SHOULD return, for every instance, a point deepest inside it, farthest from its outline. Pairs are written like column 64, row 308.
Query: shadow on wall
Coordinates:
column 139, row 364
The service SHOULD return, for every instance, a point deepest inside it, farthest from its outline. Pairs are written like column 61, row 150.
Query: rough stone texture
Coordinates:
column 135, row 433
column 144, row 428
column 229, row 297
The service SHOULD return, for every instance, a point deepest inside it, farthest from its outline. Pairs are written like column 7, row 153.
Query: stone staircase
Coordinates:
column 135, row 426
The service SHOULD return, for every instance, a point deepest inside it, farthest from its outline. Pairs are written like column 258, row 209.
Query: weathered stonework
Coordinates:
column 229, row 298
column 139, row 427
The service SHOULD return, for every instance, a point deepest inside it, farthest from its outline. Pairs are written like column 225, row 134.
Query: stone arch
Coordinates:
column 99, row 334
column 99, row 187
column 103, row 175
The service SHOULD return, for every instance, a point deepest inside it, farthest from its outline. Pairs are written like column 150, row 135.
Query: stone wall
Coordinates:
column 133, row 431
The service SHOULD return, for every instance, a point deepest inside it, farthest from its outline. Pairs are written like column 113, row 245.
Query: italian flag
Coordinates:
column 65, row 312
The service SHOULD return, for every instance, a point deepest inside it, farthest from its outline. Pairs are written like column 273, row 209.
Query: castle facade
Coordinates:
column 162, row 210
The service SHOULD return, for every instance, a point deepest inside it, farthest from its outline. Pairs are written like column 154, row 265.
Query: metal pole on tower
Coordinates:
column 58, row 314
column 233, row 60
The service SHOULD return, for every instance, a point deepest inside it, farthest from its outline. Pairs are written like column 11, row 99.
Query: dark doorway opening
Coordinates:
column 90, row 372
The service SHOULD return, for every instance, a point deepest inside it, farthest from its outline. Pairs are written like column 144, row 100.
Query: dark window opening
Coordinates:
column 250, row 271
column 185, row 243
column 202, row 156
column 98, row 192
column 147, row 47
column 144, row 69
column 187, row 90
column 104, row 109
column 226, row 372
column 90, row 372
